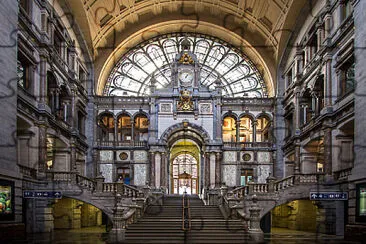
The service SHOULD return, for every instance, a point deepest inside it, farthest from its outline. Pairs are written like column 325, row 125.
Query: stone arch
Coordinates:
column 107, row 209
column 140, row 112
column 247, row 114
column 230, row 114
column 202, row 135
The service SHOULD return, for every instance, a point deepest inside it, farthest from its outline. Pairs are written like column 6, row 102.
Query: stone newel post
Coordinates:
column 255, row 230
column 99, row 180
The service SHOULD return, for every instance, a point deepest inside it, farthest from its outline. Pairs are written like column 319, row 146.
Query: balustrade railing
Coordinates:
column 122, row 143
column 342, row 174
column 121, row 188
column 259, row 188
column 247, row 144
column 239, row 192
column 27, row 171
column 284, row 183
column 62, row 176
column 85, row 182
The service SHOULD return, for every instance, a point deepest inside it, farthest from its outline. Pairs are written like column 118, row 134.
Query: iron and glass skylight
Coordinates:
column 131, row 76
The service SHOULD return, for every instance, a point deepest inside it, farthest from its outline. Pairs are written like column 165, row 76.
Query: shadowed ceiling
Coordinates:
column 261, row 28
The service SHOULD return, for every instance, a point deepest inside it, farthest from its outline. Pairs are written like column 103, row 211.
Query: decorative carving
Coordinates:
column 247, row 157
column 185, row 103
column 230, row 156
column 123, row 156
column 186, row 59
column 166, row 108
column 140, row 156
column 106, row 155
column 205, row 108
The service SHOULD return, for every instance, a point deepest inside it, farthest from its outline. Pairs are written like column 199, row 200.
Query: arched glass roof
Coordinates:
column 131, row 75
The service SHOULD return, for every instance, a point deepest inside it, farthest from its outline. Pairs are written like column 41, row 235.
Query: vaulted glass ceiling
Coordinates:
column 131, row 75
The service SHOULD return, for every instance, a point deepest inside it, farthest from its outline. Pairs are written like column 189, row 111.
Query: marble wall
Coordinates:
column 140, row 171
column 107, row 172
column 229, row 173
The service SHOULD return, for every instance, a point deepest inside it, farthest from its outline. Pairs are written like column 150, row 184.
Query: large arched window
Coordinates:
column 124, row 129
column 229, row 129
column 106, row 128
column 141, row 127
column 131, row 75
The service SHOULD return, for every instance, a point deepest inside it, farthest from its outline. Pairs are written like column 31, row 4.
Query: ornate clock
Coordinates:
column 186, row 77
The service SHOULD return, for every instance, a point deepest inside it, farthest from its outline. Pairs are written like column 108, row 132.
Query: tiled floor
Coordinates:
column 96, row 235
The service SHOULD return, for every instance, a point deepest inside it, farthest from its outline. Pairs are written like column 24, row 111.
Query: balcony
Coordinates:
column 138, row 144
column 246, row 145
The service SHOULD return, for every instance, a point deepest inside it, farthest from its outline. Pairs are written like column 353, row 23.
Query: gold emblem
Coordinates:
column 185, row 103
column 186, row 59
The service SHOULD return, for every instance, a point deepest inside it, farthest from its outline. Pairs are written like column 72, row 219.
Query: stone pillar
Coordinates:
column 328, row 81
column 255, row 230
column 73, row 155
column 297, row 157
column 152, row 169
column 42, row 148
column 207, row 170
column 117, row 234
column 157, row 169
column 359, row 170
column 163, row 170
column 44, row 216
column 238, row 131
column 218, row 169
column 255, row 123
column 327, row 150
column 212, row 170
column 43, row 78
column 297, row 111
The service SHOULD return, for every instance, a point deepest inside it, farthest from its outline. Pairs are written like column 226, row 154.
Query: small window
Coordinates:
column 57, row 43
column 347, row 79
column 346, row 9
column 361, row 203
column 24, row 72
column 25, row 5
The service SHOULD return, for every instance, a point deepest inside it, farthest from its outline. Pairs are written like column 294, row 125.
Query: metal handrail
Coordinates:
column 186, row 215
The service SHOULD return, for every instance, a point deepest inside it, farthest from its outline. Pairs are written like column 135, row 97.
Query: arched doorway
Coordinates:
column 184, row 167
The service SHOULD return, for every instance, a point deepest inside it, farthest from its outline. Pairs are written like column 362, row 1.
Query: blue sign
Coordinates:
column 42, row 194
column 343, row 196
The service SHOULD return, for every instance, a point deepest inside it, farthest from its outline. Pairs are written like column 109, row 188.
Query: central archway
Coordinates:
column 184, row 167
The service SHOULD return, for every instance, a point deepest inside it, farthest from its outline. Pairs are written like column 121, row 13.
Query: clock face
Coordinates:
column 186, row 77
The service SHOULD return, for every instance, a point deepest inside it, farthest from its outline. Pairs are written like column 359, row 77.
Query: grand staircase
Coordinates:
column 163, row 224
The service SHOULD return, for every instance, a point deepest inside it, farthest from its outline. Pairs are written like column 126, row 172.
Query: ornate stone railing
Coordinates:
column 62, row 176
column 258, row 188
column 121, row 188
column 342, row 174
column 85, row 182
column 122, row 143
column 284, row 183
column 247, row 145
column 239, row 192
column 27, row 171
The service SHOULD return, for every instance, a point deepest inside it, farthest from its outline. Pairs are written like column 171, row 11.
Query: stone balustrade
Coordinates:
column 342, row 174
column 121, row 188
column 284, row 183
column 85, row 182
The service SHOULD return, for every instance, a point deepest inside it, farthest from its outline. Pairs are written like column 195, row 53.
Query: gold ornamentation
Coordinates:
column 186, row 59
column 185, row 103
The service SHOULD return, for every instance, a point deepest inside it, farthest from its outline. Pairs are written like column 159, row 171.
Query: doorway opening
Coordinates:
column 185, row 168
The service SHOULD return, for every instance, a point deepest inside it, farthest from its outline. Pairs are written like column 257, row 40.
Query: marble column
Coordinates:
column 207, row 170
column 73, row 155
column 255, row 123
column 297, row 157
column 42, row 147
column 163, row 170
column 152, row 169
column 328, row 81
column 157, row 169
column 327, row 150
column 218, row 169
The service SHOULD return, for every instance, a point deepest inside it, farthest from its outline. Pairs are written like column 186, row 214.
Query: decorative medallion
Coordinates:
column 123, row 156
column 247, row 157
column 186, row 59
column 185, row 103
